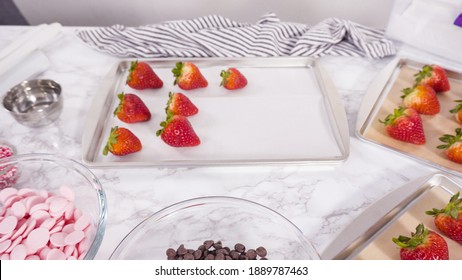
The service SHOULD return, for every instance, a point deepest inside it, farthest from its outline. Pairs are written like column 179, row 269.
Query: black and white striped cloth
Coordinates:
column 217, row 36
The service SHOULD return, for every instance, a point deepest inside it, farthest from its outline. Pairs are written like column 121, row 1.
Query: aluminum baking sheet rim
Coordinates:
column 400, row 200
column 334, row 106
column 373, row 100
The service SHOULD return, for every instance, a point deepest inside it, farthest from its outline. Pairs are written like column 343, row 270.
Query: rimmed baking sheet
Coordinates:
column 369, row 236
column 384, row 95
column 288, row 113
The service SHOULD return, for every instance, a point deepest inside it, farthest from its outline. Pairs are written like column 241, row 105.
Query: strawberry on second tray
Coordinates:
column 177, row 131
column 457, row 111
column 122, row 142
column 434, row 76
column 421, row 98
column 180, row 104
column 141, row 76
column 424, row 244
column 452, row 146
column 405, row 125
column 131, row 109
column 188, row 76
column 449, row 219
column 232, row 79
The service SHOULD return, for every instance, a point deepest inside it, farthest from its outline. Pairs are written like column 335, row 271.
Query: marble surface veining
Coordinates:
column 320, row 200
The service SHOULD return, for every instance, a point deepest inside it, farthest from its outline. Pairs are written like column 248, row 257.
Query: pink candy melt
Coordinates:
column 37, row 225
column 8, row 224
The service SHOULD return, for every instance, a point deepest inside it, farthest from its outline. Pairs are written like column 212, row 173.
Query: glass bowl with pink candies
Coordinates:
column 51, row 208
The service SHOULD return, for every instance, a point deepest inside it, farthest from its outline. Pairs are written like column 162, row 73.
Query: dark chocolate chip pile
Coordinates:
column 211, row 250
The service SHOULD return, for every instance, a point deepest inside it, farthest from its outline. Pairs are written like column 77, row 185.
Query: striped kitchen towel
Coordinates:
column 217, row 36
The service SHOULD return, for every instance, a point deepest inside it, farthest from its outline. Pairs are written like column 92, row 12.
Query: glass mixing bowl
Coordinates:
column 226, row 219
column 35, row 175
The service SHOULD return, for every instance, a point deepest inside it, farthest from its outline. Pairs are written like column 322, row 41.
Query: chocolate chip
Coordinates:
column 239, row 247
column 234, row 255
column 210, row 257
column 261, row 252
column 197, row 254
column 217, row 245
column 220, row 256
column 181, row 250
column 251, row 254
column 188, row 256
column 171, row 252
column 208, row 244
column 223, row 251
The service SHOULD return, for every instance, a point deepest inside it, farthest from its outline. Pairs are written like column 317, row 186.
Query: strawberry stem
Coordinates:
column 119, row 108
column 426, row 72
column 415, row 240
column 111, row 140
column 133, row 66
column 177, row 71
column 398, row 112
column 452, row 208
column 457, row 108
column 224, row 75
column 450, row 139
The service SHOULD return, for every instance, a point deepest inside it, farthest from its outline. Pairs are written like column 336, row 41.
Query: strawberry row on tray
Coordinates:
column 425, row 244
column 405, row 123
column 176, row 130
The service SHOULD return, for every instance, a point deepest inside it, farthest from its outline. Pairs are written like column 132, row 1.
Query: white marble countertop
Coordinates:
column 320, row 200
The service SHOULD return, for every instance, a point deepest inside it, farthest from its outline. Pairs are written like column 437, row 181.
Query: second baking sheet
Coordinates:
column 388, row 97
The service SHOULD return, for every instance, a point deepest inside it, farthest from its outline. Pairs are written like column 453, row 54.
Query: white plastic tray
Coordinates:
column 289, row 113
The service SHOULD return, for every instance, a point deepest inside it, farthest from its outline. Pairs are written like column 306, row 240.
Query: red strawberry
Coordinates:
column 434, row 76
column 177, row 131
column 421, row 98
column 180, row 104
column 405, row 125
column 424, row 244
column 449, row 219
column 188, row 76
column 453, row 145
column 141, row 76
column 457, row 111
column 122, row 142
column 131, row 109
column 232, row 79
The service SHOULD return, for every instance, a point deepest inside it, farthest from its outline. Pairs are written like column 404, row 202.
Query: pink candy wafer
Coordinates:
column 37, row 239
column 57, row 239
column 83, row 222
column 56, row 254
column 19, row 252
column 14, row 244
column 18, row 209
column 74, row 237
column 7, row 193
column 41, row 225
column 5, row 245
column 8, row 224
